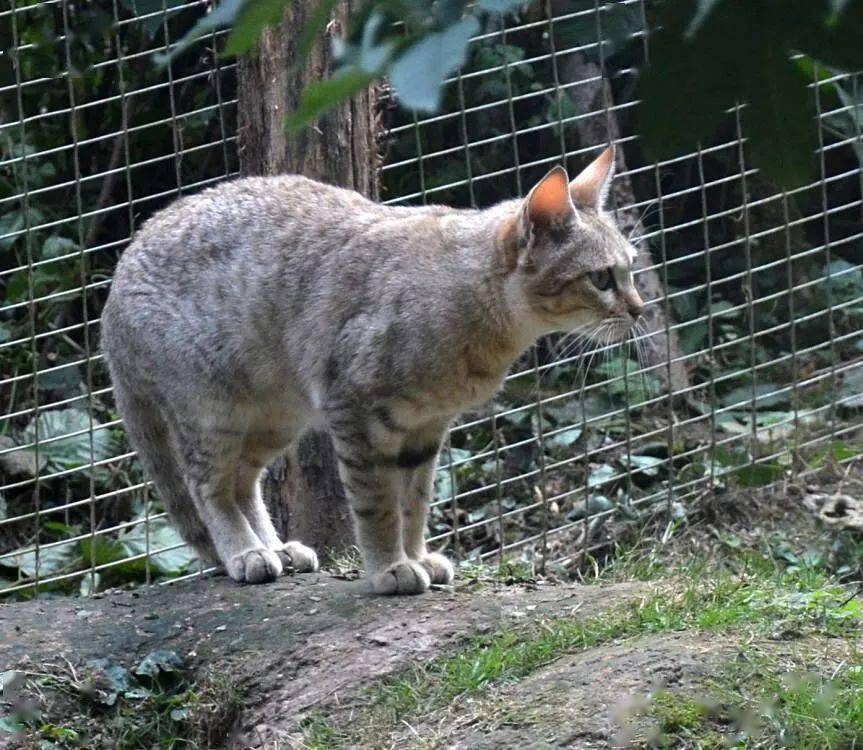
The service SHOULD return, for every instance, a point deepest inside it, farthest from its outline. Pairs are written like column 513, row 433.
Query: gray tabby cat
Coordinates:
column 242, row 316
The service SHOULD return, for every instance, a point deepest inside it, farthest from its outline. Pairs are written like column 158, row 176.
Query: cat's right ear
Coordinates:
column 547, row 208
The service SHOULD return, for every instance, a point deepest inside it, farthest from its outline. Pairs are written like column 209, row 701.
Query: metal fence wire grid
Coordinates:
column 747, row 373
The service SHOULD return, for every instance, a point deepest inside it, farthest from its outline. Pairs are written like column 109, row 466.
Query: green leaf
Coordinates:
column 648, row 465
column 315, row 25
column 758, row 475
column 157, row 662
column 418, row 73
column 139, row 539
column 50, row 560
column 222, row 16
column 114, row 680
column 703, row 8
column 11, row 724
column 178, row 714
column 852, row 388
column 323, row 95
column 780, row 117
column 56, row 246
column 688, row 83
column 601, row 474
column 566, row 438
column 147, row 7
column 253, row 18
column 765, row 395
column 500, row 6
column 73, row 451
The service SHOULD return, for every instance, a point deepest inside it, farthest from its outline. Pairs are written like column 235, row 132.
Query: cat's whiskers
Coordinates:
column 565, row 348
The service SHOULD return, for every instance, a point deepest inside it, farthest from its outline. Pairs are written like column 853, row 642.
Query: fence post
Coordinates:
column 302, row 489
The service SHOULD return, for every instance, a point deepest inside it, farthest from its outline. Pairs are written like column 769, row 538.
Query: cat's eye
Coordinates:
column 602, row 280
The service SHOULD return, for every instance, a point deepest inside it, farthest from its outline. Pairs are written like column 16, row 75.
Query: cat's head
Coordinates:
column 569, row 266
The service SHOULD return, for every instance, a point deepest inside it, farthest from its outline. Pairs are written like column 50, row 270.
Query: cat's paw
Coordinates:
column 440, row 569
column 297, row 558
column 254, row 566
column 408, row 577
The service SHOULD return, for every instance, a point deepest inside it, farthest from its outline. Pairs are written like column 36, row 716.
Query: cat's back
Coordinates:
column 249, row 214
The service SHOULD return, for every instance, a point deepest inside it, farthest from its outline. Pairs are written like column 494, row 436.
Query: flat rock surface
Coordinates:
column 295, row 645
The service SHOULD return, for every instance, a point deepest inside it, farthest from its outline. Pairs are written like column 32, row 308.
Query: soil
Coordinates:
column 315, row 643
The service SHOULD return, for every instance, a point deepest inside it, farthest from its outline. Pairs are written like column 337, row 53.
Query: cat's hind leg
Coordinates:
column 295, row 557
column 211, row 457
column 150, row 433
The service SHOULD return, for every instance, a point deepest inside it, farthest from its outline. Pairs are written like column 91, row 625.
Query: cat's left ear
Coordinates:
column 590, row 188
column 547, row 208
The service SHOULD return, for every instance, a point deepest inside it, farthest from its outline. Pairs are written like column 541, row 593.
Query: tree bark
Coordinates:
column 302, row 489
column 593, row 94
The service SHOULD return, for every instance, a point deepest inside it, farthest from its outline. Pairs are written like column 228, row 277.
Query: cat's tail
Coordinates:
column 149, row 433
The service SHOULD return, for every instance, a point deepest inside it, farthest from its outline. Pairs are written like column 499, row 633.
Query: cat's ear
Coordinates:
column 548, row 207
column 549, row 204
column 590, row 188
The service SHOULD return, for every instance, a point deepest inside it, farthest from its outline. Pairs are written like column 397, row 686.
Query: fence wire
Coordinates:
column 747, row 371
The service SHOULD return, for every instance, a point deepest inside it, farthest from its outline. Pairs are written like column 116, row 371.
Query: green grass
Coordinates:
column 761, row 597
column 764, row 706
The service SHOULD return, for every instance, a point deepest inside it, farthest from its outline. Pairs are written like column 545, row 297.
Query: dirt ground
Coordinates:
column 315, row 645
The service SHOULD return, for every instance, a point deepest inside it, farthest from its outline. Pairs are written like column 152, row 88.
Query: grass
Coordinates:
column 761, row 596
column 74, row 710
column 763, row 706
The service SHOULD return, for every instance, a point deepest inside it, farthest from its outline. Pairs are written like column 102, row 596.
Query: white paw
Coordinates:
column 440, row 569
column 408, row 577
column 297, row 558
column 254, row 566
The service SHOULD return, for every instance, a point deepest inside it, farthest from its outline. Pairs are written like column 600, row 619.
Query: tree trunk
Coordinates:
column 593, row 94
column 302, row 489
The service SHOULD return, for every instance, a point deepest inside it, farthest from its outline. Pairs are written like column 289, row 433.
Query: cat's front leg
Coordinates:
column 416, row 498
column 372, row 483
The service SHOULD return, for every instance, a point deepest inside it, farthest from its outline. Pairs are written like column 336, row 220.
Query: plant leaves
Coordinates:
column 418, row 73
column 323, row 95
column 158, row 662
column 315, row 25
column 601, row 474
column 220, row 17
column 161, row 534
column 51, row 560
column 758, row 475
column 767, row 394
column 648, row 465
column 703, row 9
column 688, row 83
column 500, row 6
column 73, row 451
column 780, row 117
column 852, row 388
column 153, row 9
column 111, row 678
column 11, row 724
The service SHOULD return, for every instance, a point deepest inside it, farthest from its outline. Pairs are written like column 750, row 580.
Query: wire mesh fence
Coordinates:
column 747, row 372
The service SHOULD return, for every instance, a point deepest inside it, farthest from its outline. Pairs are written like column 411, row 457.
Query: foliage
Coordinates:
column 594, row 449
column 705, row 57
column 47, row 254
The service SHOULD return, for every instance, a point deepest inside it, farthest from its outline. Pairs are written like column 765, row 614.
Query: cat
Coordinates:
column 243, row 315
